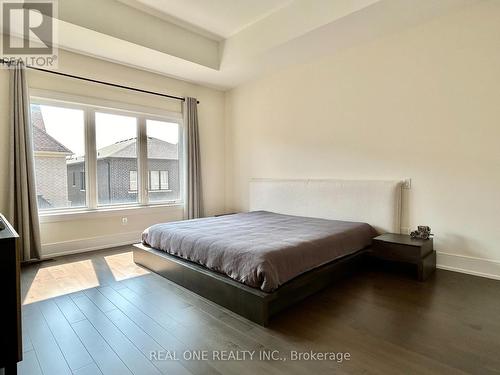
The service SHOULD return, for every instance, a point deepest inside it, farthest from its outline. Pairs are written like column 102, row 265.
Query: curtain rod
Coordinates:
column 103, row 83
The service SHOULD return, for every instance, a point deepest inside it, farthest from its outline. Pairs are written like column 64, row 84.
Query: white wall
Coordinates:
column 86, row 233
column 421, row 104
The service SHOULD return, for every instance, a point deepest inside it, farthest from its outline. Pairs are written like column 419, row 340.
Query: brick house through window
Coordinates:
column 50, row 165
column 117, row 165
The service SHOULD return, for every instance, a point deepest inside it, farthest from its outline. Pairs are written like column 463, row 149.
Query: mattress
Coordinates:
column 260, row 249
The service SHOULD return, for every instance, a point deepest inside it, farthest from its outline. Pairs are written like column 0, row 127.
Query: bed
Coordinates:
column 298, row 237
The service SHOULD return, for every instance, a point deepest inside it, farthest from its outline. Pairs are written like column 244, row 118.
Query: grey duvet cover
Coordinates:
column 260, row 249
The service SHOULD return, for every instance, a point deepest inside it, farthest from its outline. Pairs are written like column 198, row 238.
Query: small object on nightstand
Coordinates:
column 402, row 248
column 423, row 232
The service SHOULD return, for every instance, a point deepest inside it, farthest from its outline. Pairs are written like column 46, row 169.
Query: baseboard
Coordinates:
column 51, row 250
column 470, row 265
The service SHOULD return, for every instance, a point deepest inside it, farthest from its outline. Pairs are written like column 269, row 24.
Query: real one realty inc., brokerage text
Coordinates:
column 248, row 355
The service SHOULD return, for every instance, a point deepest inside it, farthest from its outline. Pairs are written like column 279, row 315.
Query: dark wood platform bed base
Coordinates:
column 251, row 303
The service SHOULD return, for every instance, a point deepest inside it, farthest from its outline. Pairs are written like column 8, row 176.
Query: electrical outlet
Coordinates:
column 124, row 220
column 407, row 184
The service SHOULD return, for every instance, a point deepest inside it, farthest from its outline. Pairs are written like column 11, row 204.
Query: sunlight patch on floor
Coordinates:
column 52, row 280
column 122, row 266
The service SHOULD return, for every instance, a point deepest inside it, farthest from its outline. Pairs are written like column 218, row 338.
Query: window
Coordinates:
column 91, row 157
column 59, row 151
column 158, row 180
column 133, row 181
column 163, row 160
column 163, row 180
column 82, row 181
column 154, row 180
column 116, row 142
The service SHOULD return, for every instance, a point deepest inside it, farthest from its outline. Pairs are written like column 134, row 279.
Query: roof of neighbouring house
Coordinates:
column 37, row 117
column 42, row 141
column 157, row 149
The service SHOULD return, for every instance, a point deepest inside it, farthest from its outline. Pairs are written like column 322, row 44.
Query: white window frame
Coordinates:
column 90, row 105
column 163, row 185
column 130, row 190
column 84, row 185
column 157, row 173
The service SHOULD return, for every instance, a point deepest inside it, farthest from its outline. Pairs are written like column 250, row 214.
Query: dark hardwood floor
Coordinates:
column 99, row 313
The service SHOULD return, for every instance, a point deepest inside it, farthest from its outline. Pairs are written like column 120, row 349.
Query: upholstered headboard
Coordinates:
column 377, row 203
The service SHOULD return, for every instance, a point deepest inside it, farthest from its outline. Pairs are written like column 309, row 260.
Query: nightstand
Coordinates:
column 404, row 249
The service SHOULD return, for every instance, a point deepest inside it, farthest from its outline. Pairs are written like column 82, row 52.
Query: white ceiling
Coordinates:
column 223, row 18
column 265, row 35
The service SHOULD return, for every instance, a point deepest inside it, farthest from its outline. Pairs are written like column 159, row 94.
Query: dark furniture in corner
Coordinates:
column 10, row 294
column 251, row 303
column 402, row 248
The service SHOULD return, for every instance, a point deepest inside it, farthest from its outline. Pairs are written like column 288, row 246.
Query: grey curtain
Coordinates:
column 194, row 199
column 23, row 211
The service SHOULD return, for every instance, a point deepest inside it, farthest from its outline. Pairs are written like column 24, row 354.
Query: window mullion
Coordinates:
column 90, row 158
column 142, row 162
